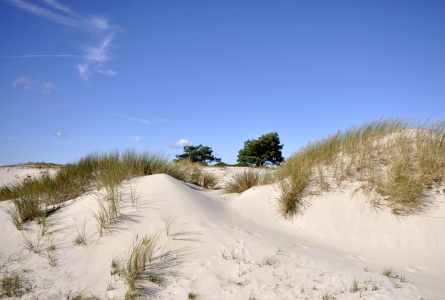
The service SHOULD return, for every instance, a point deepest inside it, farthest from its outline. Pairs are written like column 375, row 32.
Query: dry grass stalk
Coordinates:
column 398, row 159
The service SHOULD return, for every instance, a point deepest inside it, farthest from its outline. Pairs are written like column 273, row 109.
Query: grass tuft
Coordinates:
column 81, row 238
column 26, row 208
column 397, row 159
column 136, row 263
column 249, row 179
column 388, row 272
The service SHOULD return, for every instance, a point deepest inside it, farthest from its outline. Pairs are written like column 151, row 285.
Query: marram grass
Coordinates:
column 32, row 197
column 248, row 179
column 395, row 159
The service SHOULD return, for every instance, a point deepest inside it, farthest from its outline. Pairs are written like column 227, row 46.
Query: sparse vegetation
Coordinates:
column 81, row 238
column 26, row 208
column 136, row 263
column 194, row 173
column 248, row 179
column 79, row 296
column 354, row 286
column 395, row 160
column 12, row 286
column 388, row 272
column 37, row 196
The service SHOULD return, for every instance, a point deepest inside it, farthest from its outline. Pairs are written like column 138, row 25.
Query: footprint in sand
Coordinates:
column 416, row 269
column 253, row 233
column 354, row 257
column 206, row 264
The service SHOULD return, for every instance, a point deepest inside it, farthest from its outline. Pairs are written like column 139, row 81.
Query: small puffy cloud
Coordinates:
column 47, row 87
column 23, row 82
column 59, row 133
column 180, row 144
column 137, row 138
column 84, row 71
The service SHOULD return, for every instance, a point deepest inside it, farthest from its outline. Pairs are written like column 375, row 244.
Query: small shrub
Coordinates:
column 221, row 165
column 11, row 286
column 192, row 296
column 388, row 272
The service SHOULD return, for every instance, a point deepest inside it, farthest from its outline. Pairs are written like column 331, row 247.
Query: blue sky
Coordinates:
column 80, row 76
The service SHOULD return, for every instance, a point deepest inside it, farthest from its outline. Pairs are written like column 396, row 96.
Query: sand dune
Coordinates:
column 232, row 246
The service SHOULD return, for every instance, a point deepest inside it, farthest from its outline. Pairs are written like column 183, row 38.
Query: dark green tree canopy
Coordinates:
column 266, row 149
column 198, row 153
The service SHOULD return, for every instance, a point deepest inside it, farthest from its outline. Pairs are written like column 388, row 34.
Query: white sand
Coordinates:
column 235, row 246
column 13, row 175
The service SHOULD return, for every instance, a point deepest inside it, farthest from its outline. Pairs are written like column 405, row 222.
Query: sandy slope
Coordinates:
column 11, row 175
column 230, row 246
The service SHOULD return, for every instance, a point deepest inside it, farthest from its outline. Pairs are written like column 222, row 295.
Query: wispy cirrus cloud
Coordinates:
column 95, row 56
column 22, row 82
column 146, row 121
column 45, row 87
column 179, row 144
column 39, row 55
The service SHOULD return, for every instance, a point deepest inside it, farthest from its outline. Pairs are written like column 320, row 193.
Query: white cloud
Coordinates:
column 59, row 133
column 23, row 82
column 137, row 138
column 47, row 87
column 95, row 56
column 141, row 120
column 180, row 144
column 58, row 6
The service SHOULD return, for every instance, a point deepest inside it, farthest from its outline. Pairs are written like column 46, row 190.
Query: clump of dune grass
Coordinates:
column 26, row 208
column 136, row 263
column 81, row 238
column 108, row 209
column 194, row 173
column 35, row 196
column 35, row 241
column 395, row 160
column 79, row 296
column 248, row 179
